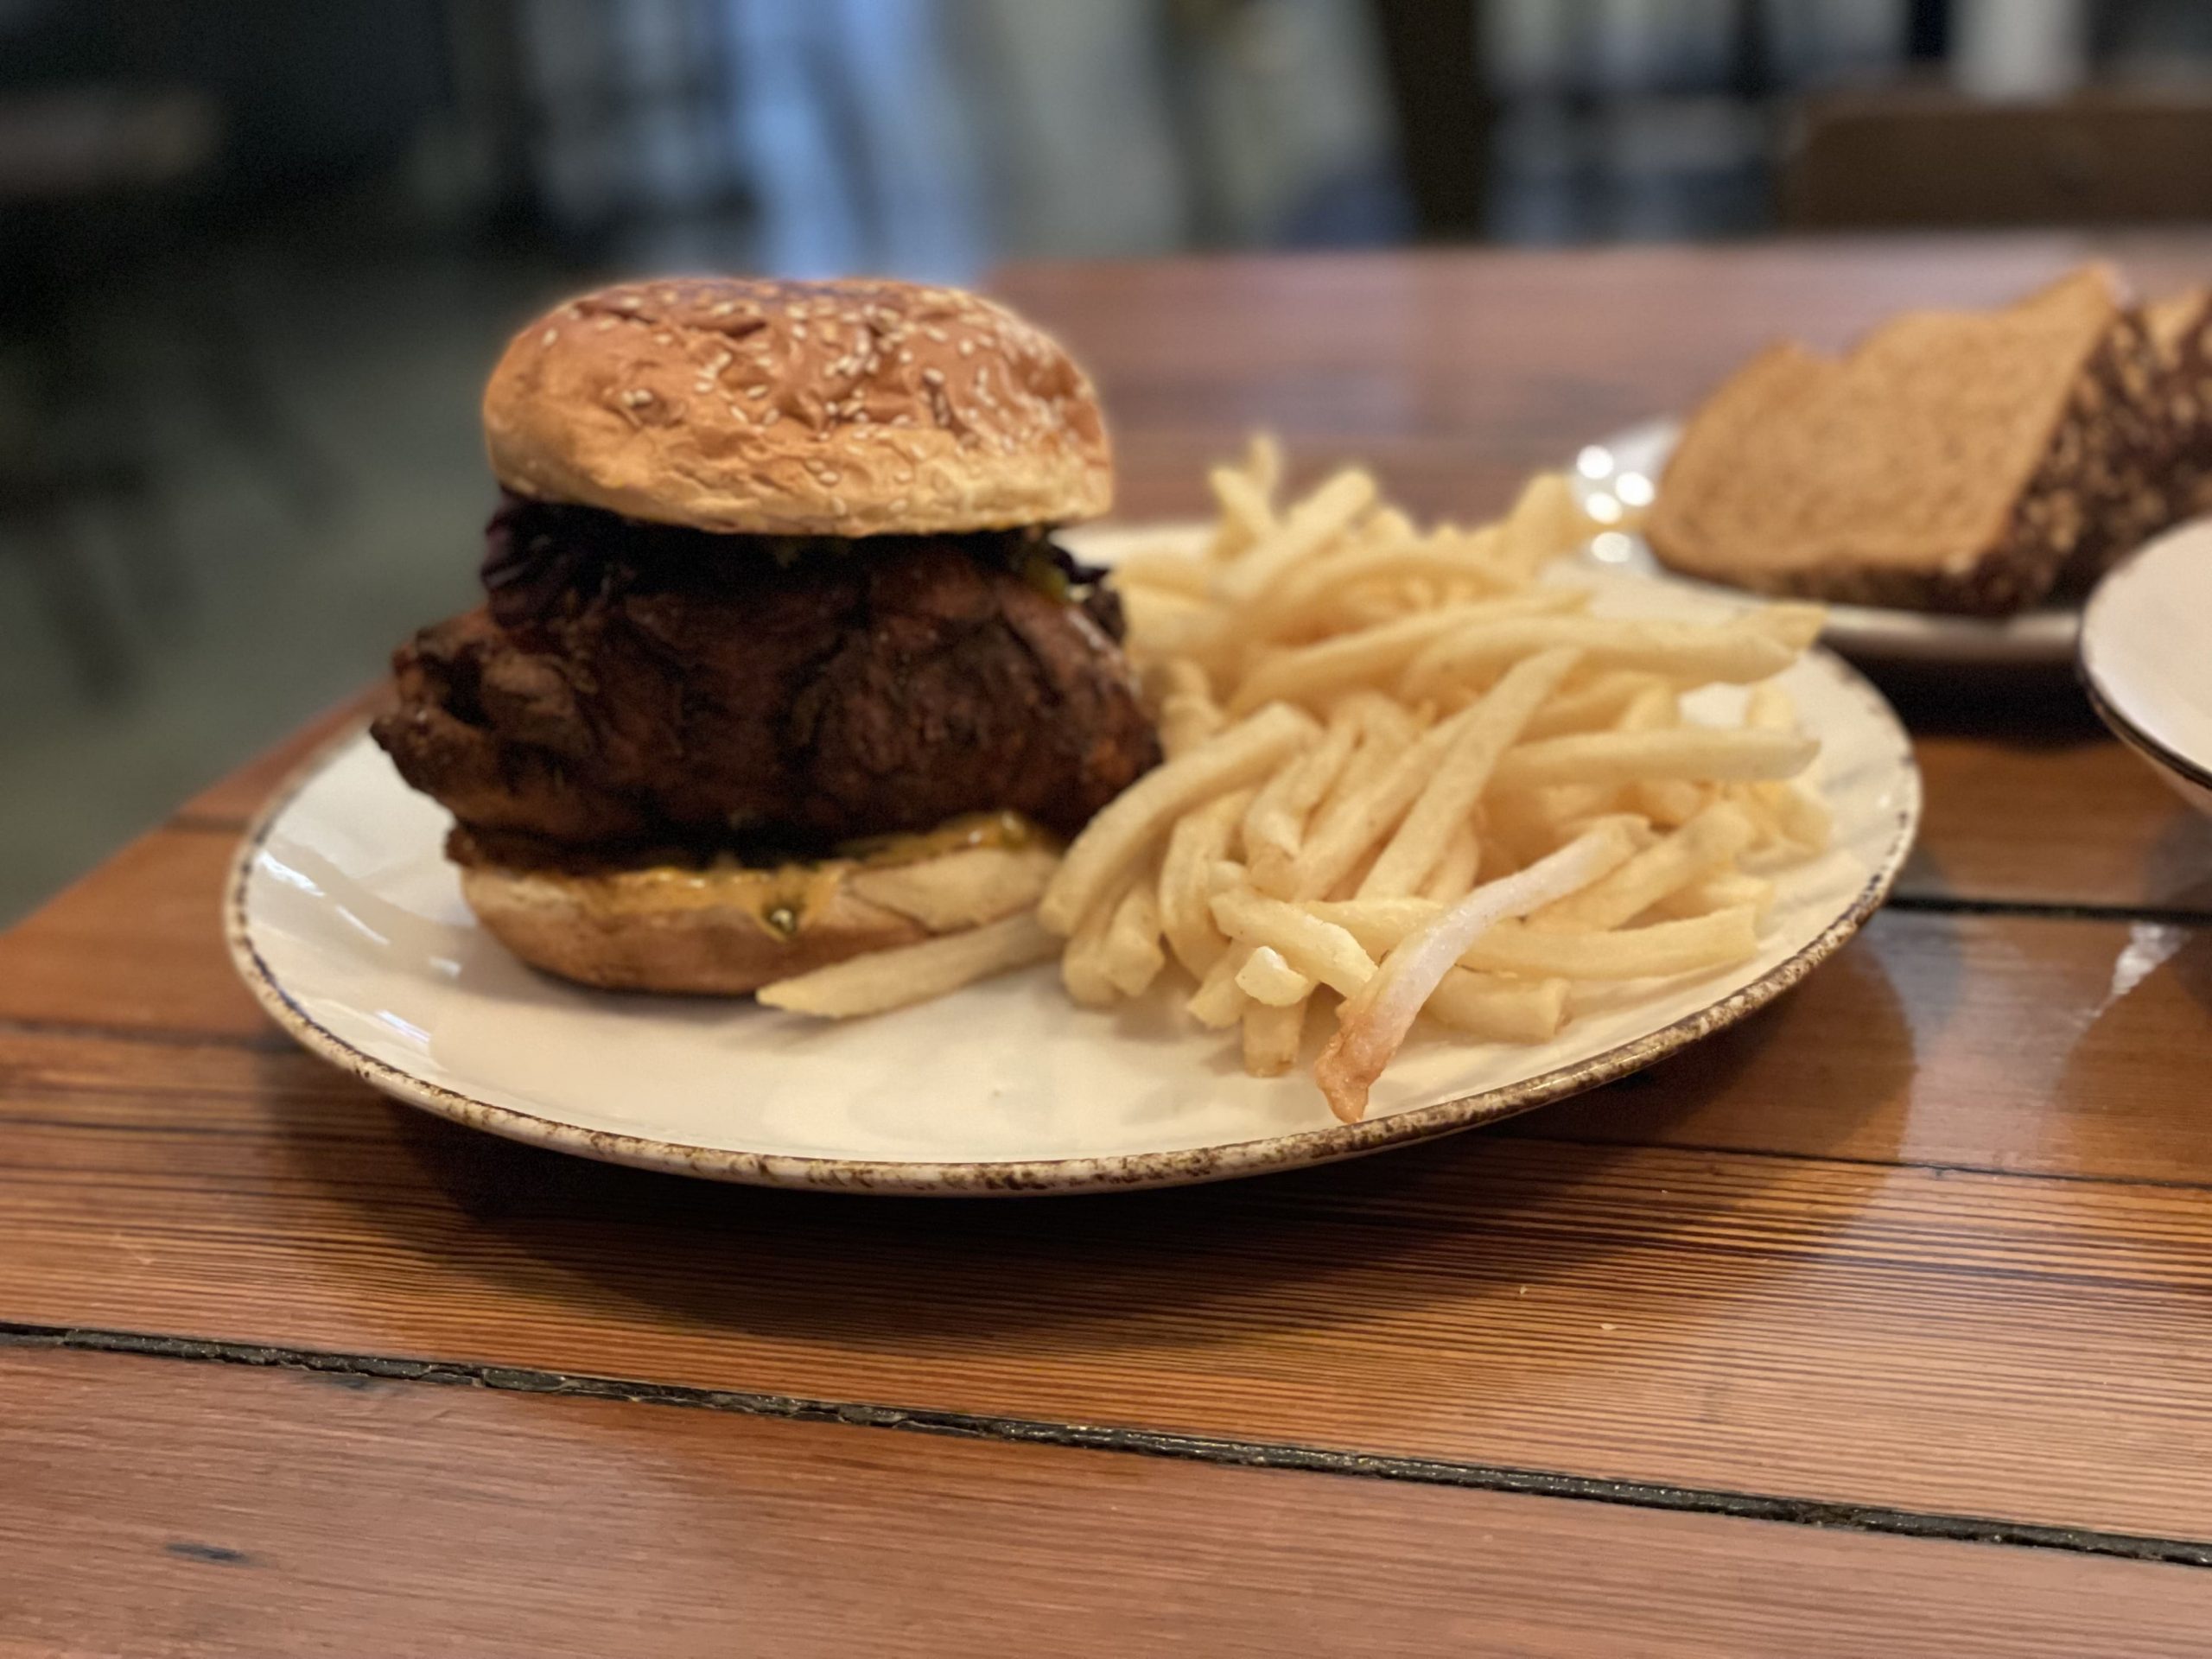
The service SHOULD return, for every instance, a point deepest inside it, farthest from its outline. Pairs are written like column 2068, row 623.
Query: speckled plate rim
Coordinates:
column 1127, row 1172
column 2110, row 706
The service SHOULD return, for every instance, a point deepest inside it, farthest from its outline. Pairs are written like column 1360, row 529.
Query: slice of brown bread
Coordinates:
column 1953, row 460
column 2180, row 327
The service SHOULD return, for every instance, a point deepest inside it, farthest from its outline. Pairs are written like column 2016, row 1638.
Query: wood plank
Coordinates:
column 138, row 946
column 2062, row 816
column 159, row 1508
column 2039, row 1047
column 1849, row 1331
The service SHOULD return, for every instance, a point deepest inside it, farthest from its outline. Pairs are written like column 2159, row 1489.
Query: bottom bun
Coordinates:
column 729, row 930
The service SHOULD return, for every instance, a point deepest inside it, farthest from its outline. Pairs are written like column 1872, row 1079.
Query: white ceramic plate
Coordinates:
column 2146, row 656
column 348, row 924
column 1625, row 468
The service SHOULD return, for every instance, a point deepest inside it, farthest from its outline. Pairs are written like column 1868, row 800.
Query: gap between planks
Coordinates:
column 1260, row 1454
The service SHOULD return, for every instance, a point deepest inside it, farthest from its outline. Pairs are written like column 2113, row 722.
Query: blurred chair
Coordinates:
column 1930, row 157
column 1443, row 108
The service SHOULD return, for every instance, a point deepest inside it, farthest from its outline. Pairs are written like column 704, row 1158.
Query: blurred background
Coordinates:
column 255, row 256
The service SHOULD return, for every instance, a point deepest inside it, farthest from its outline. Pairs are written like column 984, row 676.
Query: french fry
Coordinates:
column 1275, row 823
column 1320, row 950
column 1722, row 890
column 884, row 980
column 1499, row 1009
column 1694, row 945
column 1312, row 675
column 1132, row 955
column 1313, row 596
column 1708, row 841
column 1270, row 980
column 1801, row 819
column 1247, row 515
column 1373, row 1024
column 1303, row 532
column 1187, row 720
column 1669, row 801
column 1736, row 653
column 1701, row 753
column 1455, row 872
column 1791, row 815
column 1171, row 623
column 1220, row 1002
column 1354, row 823
column 963, row 889
column 1797, row 626
column 1170, row 569
column 1590, row 708
column 1689, row 946
column 1126, row 830
column 1463, row 771
column 1545, row 522
column 1770, row 709
column 1385, row 731
column 1273, row 1037
column 1083, row 965
column 1196, row 844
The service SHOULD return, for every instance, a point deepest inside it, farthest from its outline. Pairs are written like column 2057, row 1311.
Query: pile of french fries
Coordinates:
column 1403, row 774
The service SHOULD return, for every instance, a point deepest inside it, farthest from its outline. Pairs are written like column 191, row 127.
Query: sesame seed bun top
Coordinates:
column 847, row 407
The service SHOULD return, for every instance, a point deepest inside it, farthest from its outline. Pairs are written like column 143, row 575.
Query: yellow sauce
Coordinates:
column 781, row 897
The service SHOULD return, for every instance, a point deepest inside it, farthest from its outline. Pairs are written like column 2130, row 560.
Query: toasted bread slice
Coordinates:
column 1951, row 462
column 2180, row 327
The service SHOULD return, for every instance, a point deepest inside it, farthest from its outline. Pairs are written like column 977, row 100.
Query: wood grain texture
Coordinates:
column 136, row 945
column 2065, row 815
column 1760, row 1298
column 161, row 1508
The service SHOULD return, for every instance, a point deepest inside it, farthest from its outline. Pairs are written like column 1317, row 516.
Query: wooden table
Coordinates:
column 1884, row 1318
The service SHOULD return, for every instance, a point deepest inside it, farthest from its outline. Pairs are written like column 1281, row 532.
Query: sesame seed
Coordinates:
column 933, row 377
column 756, row 391
column 837, row 505
column 772, row 417
column 799, row 331
column 720, row 361
column 549, row 336
column 967, row 348
column 899, row 505
column 602, row 325
column 937, row 333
